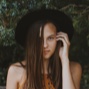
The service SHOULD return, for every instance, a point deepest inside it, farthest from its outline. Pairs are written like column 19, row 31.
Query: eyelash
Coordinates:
column 50, row 38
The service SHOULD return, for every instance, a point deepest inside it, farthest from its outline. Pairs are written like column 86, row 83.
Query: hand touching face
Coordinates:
column 64, row 50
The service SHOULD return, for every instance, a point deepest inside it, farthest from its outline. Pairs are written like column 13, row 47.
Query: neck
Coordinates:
column 46, row 63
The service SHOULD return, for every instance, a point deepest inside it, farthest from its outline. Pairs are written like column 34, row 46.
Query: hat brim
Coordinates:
column 61, row 19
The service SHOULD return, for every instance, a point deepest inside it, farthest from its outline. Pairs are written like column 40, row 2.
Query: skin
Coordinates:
column 71, row 71
column 49, row 40
column 69, row 81
column 49, row 43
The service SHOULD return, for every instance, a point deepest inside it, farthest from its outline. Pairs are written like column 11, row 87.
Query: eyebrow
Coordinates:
column 52, row 35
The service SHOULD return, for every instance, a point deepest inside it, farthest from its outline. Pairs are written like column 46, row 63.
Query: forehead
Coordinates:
column 49, row 29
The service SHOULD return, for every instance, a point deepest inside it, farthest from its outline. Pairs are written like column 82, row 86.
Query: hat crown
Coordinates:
column 61, row 19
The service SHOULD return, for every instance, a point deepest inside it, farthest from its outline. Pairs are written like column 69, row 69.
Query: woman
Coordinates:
column 45, row 36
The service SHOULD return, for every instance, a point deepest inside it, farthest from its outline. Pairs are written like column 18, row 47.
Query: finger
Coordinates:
column 64, row 37
column 64, row 34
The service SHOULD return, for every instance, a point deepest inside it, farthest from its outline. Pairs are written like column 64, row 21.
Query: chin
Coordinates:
column 47, row 57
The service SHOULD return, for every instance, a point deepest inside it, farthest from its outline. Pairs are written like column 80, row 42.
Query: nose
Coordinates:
column 45, row 44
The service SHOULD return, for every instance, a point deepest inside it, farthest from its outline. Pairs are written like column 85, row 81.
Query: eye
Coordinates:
column 50, row 38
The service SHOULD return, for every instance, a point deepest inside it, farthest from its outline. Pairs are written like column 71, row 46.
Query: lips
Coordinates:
column 46, row 51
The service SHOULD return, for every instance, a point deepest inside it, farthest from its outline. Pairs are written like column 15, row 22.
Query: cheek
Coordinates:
column 53, row 45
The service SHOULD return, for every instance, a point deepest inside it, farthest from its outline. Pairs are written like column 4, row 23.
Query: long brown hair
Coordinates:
column 34, row 59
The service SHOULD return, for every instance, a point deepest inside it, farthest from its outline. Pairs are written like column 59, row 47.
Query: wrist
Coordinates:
column 65, row 62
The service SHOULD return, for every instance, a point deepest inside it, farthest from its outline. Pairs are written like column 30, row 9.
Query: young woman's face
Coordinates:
column 49, row 40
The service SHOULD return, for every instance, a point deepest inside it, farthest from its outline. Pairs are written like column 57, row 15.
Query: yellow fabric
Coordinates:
column 47, row 81
column 20, row 86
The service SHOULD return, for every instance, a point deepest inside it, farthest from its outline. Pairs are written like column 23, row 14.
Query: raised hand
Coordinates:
column 64, row 50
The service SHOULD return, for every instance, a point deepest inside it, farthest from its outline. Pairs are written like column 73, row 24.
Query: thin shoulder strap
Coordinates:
column 22, row 64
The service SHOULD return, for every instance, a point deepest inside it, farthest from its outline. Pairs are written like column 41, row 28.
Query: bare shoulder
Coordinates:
column 14, row 76
column 16, row 67
column 76, row 70
column 16, row 70
column 75, row 67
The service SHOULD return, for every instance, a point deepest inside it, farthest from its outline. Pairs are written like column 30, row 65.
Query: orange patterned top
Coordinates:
column 48, row 83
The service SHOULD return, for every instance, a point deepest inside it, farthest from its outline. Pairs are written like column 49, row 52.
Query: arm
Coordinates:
column 70, row 81
column 11, row 79
column 71, row 76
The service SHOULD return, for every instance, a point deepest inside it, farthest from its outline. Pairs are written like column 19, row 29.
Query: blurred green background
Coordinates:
column 12, row 10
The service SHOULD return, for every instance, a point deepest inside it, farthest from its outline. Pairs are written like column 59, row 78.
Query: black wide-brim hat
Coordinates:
column 61, row 19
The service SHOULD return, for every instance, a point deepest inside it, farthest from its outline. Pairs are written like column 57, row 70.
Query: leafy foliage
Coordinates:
column 12, row 10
